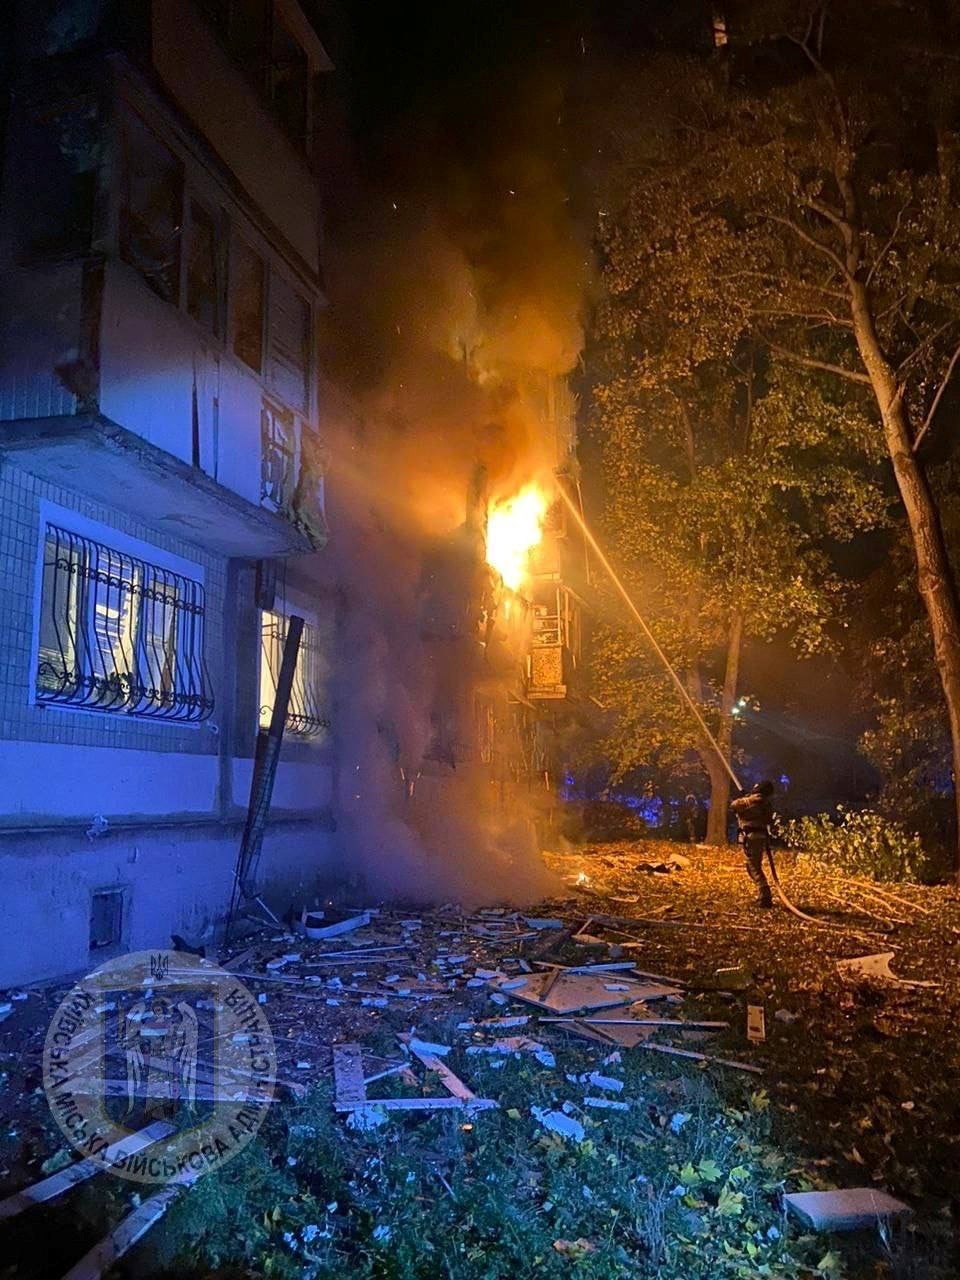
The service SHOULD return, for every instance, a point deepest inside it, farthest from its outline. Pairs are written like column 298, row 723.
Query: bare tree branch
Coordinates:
column 824, row 365
column 936, row 400
column 888, row 246
column 812, row 241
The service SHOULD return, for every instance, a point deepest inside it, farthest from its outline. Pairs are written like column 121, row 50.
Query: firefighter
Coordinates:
column 754, row 814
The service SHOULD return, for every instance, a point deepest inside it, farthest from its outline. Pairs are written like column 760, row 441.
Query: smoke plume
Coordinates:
column 451, row 292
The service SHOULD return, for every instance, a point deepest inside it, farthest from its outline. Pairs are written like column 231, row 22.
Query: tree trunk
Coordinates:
column 937, row 585
column 718, row 816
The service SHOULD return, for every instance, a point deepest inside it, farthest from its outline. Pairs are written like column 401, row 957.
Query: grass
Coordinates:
column 686, row 1183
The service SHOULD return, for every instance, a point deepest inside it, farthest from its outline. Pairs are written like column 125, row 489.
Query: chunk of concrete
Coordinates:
column 844, row 1210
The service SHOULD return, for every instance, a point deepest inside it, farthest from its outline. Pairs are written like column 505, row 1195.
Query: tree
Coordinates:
column 717, row 507
column 813, row 209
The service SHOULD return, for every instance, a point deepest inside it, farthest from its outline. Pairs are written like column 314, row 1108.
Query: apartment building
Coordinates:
column 161, row 468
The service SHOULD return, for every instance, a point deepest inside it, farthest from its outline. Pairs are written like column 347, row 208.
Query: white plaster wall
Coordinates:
column 151, row 357
column 61, row 780
column 174, row 882
column 299, row 785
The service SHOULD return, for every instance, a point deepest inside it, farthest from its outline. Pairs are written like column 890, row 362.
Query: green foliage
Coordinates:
column 668, row 1189
column 860, row 843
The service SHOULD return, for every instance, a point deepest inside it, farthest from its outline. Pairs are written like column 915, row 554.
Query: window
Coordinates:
column 246, row 320
column 117, row 633
column 59, row 158
column 203, row 268
column 305, row 713
column 288, row 343
column 289, row 82
column 151, row 209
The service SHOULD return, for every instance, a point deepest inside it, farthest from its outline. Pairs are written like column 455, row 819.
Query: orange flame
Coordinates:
column 514, row 529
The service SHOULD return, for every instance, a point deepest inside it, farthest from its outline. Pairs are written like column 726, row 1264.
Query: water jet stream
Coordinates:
column 651, row 638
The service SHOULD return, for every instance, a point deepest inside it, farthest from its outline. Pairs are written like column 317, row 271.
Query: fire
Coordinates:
column 514, row 528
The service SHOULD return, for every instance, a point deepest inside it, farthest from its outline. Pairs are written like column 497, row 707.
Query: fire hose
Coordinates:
column 680, row 687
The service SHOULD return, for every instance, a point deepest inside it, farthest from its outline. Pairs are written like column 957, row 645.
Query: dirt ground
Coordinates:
column 862, row 1076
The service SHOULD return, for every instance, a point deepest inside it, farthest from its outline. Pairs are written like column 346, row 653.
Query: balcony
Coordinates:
column 94, row 456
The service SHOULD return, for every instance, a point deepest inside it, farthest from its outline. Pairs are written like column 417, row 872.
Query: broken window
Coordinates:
column 203, row 268
column 278, row 458
column 288, row 343
column 106, row 919
column 61, row 151
column 289, row 82
column 151, row 209
column 306, row 716
column 117, row 633
column 247, row 304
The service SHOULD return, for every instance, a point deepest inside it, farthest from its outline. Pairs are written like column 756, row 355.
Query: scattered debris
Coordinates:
column 331, row 924
column 536, row 923
column 517, row 1044
column 557, row 1122
column 569, row 990
column 756, row 1024
column 69, row 1175
column 351, row 1090
column 844, row 1210
column 877, row 967
column 133, row 1227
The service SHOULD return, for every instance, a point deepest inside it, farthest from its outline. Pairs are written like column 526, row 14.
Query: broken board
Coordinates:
column 351, row 1089
column 844, row 1210
column 568, row 991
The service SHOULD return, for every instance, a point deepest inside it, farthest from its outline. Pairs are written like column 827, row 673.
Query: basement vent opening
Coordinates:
column 106, row 919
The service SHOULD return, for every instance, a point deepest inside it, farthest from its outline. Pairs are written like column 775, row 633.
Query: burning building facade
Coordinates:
column 161, row 465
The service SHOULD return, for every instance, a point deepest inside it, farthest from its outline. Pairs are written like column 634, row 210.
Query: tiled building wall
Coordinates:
column 20, row 497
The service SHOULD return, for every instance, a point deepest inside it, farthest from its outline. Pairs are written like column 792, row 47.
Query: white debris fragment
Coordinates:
column 678, row 1120
column 559, row 1123
column 608, row 1083
column 374, row 1002
column 517, row 1044
column 608, row 1104
column 366, row 1118
column 513, row 984
column 784, row 1015
column 535, row 923
column 428, row 1047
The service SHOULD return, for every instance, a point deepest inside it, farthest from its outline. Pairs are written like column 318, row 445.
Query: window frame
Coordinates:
column 124, row 545
column 319, row 735
column 231, row 224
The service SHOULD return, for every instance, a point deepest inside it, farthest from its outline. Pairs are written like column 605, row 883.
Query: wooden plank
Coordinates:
column 643, row 1022
column 348, row 1075
column 701, row 1057
column 451, row 1082
column 418, row 1104
column 61, row 1181
column 133, row 1227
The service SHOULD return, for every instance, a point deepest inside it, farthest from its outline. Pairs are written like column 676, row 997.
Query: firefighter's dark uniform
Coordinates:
column 754, row 815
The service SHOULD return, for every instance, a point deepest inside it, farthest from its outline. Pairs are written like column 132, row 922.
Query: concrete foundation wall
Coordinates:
column 173, row 880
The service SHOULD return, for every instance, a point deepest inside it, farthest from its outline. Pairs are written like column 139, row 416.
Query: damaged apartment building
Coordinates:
column 161, row 466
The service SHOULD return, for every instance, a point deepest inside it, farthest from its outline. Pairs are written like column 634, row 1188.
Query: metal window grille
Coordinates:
column 119, row 634
column 305, row 714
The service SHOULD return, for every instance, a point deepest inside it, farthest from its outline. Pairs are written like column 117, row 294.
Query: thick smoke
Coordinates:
column 448, row 298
